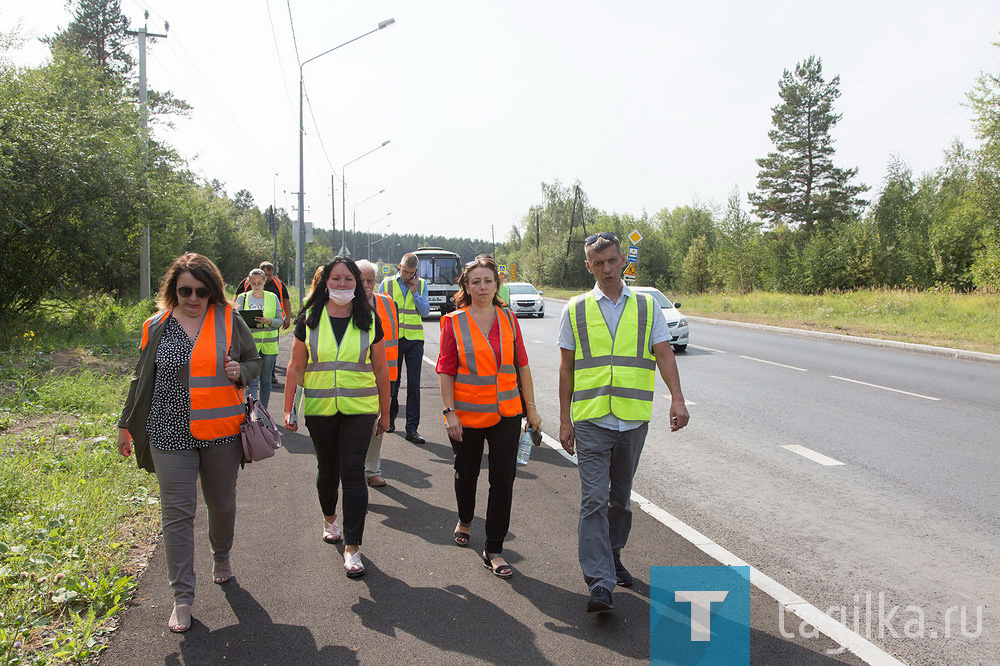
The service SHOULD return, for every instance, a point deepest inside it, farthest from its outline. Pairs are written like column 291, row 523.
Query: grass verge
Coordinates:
column 939, row 318
column 76, row 520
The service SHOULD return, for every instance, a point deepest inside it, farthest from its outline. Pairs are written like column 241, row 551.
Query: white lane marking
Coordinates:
column 812, row 455
column 863, row 648
column 884, row 388
column 717, row 351
column 781, row 365
column 539, row 342
column 429, row 362
column 686, row 402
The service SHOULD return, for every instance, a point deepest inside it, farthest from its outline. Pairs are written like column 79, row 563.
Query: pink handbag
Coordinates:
column 260, row 434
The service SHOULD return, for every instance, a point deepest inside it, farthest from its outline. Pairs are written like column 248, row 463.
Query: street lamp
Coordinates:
column 343, row 194
column 354, row 215
column 370, row 233
column 300, row 251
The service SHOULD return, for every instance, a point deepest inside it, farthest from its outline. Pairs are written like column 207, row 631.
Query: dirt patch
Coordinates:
column 45, row 424
column 66, row 361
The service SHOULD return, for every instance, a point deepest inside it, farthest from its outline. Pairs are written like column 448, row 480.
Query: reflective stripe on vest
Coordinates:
column 338, row 378
column 216, row 404
column 411, row 325
column 483, row 392
column 266, row 340
column 385, row 307
column 612, row 375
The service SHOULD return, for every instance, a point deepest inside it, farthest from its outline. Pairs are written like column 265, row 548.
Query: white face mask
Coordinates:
column 341, row 296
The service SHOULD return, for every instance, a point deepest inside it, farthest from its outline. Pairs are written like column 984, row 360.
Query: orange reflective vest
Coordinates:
column 483, row 392
column 216, row 404
column 388, row 316
column 281, row 290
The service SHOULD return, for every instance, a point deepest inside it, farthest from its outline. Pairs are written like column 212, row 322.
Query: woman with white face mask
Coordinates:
column 338, row 357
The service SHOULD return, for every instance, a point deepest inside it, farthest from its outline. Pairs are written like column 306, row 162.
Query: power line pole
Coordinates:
column 142, row 33
column 333, row 218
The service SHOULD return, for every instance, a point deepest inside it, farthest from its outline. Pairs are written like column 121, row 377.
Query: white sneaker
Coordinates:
column 331, row 532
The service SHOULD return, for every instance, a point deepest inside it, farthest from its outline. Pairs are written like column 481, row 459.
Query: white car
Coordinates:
column 525, row 299
column 677, row 323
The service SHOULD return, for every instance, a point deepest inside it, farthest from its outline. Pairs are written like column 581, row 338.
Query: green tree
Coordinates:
column 98, row 31
column 697, row 266
column 797, row 182
column 739, row 247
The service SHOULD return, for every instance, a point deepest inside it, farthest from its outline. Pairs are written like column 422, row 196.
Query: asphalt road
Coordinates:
column 910, row 517
column 424, row 600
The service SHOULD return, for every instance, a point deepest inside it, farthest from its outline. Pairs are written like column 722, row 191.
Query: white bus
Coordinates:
column 441, row 269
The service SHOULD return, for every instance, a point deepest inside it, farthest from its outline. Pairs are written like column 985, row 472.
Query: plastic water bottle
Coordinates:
column 524, row 448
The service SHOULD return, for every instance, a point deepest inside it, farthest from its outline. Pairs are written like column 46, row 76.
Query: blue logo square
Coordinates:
column 698, row 615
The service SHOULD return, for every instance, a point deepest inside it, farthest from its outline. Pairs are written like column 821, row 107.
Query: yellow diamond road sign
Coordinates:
column 635, row 237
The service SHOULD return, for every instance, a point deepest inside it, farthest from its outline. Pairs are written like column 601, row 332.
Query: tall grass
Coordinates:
column 940, row 318
column 71, row 509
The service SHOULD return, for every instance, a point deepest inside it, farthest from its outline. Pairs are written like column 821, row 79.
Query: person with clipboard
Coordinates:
column 262, row 313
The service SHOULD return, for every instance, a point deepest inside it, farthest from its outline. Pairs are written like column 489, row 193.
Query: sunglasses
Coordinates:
column 606, row 235
column 185, row 292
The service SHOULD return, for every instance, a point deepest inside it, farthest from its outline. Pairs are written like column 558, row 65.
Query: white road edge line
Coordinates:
column 884, row 388
column 857, row 644
column 686, row 402
column 717, row 351
column 811, row 455
column 782, row 365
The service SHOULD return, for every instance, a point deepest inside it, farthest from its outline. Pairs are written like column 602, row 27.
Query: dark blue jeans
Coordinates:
column 411, row 356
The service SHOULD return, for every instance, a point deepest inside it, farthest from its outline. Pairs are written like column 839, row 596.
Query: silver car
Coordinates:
column 525, row 299
column 677, row 322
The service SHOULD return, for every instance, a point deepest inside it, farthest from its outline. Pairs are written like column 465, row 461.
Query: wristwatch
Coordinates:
column 445, row 411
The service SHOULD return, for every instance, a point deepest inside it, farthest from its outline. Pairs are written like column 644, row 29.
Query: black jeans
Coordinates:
column 411, row 353
column 341, row 443
column 502, row 463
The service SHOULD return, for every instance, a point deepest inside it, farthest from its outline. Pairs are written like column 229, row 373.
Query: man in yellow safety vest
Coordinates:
column 612, row 341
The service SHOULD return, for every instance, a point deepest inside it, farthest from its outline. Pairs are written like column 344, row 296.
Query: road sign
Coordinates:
column 502, row 268
column 635, row 237
column 387, row 270
column 633, row 253
column 630, row 270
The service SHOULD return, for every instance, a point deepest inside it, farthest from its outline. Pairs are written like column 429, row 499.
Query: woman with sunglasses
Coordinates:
column 183, row 415
column 481, row 358
column 338, row 357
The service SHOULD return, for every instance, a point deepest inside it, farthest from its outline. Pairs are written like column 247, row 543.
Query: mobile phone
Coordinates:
column 536, row 437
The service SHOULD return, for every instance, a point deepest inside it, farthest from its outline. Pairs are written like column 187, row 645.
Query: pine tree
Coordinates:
column 797, row 183
column 98, row 29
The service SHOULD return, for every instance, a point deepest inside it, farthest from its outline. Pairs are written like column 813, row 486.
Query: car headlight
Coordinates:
column 682, row 322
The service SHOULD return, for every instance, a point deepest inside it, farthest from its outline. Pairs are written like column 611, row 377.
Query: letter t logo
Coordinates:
column 701, row 610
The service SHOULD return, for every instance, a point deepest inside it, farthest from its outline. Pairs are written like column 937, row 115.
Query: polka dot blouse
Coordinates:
column 169, row 422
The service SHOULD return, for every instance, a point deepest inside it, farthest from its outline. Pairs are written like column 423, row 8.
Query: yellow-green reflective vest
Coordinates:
column 267, row 340
column 339, row 378
column 612, row 375
column 411, row 325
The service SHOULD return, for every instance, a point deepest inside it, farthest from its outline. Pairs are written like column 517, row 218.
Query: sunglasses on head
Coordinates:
column 606, row 235
column 185, row 292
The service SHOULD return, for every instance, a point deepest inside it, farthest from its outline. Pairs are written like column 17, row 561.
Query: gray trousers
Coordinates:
column 373, row 460
column 607, row 462
column 177, row 473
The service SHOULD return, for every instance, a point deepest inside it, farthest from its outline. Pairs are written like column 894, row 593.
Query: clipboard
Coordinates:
column 250, row 317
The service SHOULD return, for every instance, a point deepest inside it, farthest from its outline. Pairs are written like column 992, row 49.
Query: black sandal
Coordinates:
column 500, row 571
column 462, row 538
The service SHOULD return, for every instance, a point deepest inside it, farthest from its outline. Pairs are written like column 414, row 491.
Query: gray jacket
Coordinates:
column 140, row 392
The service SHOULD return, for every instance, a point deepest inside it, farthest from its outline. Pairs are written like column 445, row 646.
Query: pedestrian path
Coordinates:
column 423, row 599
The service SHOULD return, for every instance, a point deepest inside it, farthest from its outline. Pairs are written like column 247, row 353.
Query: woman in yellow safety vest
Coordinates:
column 265, row 333
column 338, row 357
column 183, row 416
column 481, row 356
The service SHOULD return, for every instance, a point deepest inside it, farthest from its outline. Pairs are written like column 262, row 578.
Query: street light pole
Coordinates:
column 300, row 252
column 354, row 219
column 343, row 192
column 370, row 233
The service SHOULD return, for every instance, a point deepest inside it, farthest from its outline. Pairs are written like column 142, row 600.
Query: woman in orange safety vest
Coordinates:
column 481, row 356
column 183, row 414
